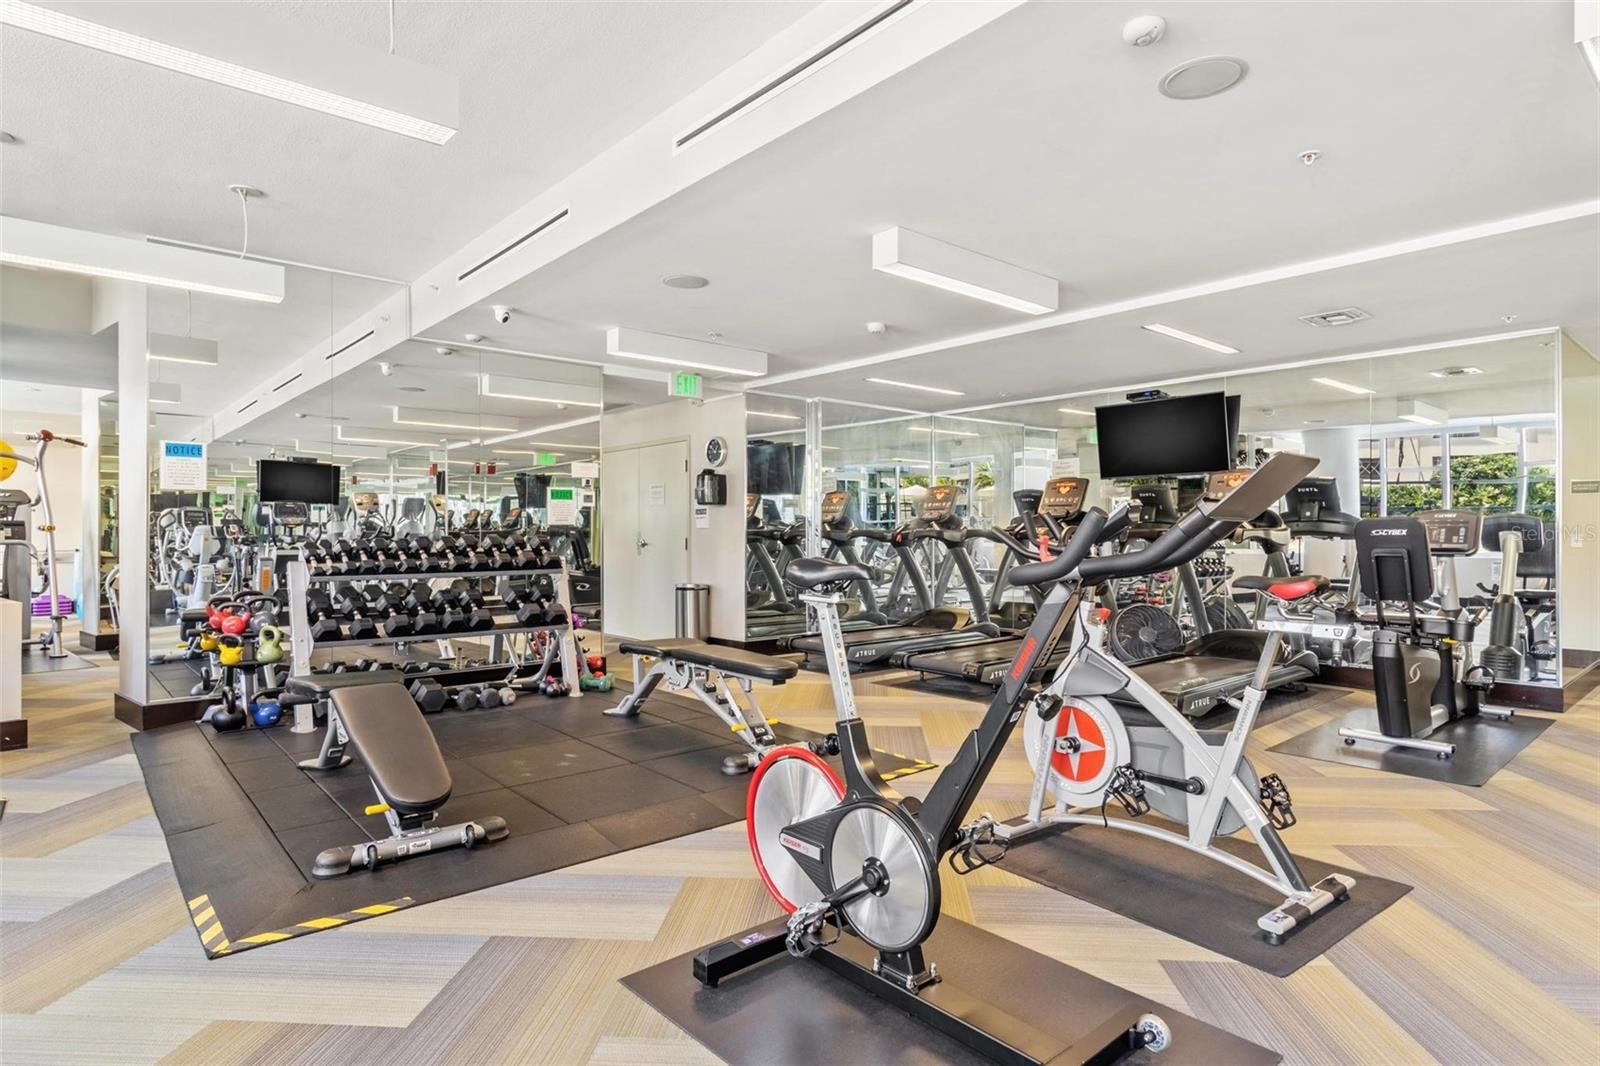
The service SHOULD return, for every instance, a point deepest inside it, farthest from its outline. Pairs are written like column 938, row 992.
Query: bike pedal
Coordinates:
column 1129, row 791
column 1276, row 802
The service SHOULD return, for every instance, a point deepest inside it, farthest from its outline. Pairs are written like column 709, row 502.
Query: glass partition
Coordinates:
column 1465, row 427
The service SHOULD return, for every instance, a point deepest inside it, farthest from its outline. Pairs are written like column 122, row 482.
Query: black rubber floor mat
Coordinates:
column 1483, row 747
column 1170, row 888
column 789, row 1010
column 244, row 823
column 37, row 662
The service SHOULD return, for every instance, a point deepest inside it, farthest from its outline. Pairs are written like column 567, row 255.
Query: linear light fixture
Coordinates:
column 1075, row 411
column 24, row 242
column 1178, row 334
column 265, row 57
column 347, row 452
column 416, row 416
column 171, row 348
column 162, row 392
column 1345, row 386
column 1424, row 414
column 914, row 385
column 555, row 392
column 509, row 451
column 360, row 435
column 773, row 414
column 943, row 432
column 916, row 257
column 680, row 351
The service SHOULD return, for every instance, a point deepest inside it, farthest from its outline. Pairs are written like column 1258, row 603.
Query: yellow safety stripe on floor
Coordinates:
column 916, row 767
column 206, row 924
column 312, row 925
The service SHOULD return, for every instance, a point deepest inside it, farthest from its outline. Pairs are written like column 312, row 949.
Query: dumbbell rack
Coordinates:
column 302, row 646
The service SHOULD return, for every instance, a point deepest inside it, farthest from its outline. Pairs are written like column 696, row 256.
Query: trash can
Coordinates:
column 691, row 610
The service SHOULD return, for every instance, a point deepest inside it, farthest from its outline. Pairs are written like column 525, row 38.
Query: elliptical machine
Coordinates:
column 50, row 643
column 1418, row 675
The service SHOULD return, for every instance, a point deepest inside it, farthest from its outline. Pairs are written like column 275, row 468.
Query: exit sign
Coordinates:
column 684, row 384
column 544, row 459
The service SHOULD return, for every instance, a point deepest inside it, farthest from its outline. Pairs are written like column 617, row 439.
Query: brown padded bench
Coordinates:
column 704, row 670
column 407, row 772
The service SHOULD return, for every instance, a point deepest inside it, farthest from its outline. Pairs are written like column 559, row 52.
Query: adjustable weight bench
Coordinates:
column 408, row 774
column 706, row 670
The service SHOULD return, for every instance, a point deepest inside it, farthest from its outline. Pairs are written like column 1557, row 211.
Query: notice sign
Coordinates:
column 183, row 466
column 562, row 507
column 658, row 494
column 1068, row 467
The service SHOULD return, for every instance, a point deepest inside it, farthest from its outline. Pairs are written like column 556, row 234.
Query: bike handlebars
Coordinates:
column 1076, row 551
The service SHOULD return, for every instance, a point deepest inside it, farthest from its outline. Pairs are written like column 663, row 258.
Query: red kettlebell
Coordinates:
column 232, row 618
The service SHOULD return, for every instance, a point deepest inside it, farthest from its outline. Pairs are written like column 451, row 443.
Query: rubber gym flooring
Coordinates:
column 244, row 823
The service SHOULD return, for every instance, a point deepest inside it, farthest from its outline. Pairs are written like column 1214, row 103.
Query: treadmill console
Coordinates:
column 290, row 514
column 1452, row 532
column 1223, row 482
column 1063, row 497
column 940, row 504
column 752, row 505
column 835, row 505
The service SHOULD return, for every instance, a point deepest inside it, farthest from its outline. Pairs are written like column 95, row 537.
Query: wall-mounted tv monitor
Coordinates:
column 775, row 469
column 279, row 480
column 1181, row 435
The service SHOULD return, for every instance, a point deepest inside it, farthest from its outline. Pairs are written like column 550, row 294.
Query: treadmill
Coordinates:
column 839, row 534
column 1218, row 665
column 1055, row 515
column 874, row 645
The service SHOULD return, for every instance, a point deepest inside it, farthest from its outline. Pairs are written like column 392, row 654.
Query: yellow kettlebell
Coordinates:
column 208, row 640
column 269, row 644
column 230, row 649
column 8, row 465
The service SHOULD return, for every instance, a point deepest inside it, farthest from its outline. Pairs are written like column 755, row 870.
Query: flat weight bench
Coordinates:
column 706, row 670
column 408, row 774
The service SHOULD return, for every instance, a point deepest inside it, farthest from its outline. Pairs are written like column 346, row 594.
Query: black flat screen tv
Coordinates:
column 1181, row 435
column 279, row 480
column 775, row 469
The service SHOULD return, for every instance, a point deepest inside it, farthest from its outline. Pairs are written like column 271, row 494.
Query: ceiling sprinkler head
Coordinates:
column 1508, row 319
column 1310, row 156
column 441, row 350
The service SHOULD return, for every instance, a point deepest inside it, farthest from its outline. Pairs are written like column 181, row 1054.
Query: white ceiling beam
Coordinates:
column 917, row 257
column 682, row 352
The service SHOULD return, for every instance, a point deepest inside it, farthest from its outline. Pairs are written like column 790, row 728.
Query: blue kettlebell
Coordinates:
column 266, row 713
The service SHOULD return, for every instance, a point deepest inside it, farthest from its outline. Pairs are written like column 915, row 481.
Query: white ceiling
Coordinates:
column 1058, row 154
column 116, row 146
column 1039, row 139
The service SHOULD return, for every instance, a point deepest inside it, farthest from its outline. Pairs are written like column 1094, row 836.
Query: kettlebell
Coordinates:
column 266, row 712
column 269, row 644
column 233, row 618
column 230, row 649
column 208, row 640
column 225, row 718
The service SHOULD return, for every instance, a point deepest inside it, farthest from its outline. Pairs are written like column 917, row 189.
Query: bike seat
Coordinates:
column 1284, row 588
column 814, row 573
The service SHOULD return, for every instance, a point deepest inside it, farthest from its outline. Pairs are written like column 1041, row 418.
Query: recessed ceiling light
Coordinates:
column 1206, row 76
column 397, row 94
column 1075, row 411
column 411, row 388
column 1455, row 371
column 684, row 281
column 773, row 414
column 1345, row 386
column 1190, row 338
column 913, row 385
column 1316, row 421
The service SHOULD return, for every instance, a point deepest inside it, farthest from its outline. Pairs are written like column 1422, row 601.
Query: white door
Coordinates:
column 647, row 497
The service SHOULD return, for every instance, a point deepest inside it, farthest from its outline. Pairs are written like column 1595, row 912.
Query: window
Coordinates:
column 1539, row 472
column 1413, row 467
column 1483, row 471
column 1371, row 468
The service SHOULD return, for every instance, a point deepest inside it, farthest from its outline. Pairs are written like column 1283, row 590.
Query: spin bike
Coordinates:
column 1102, row 734
column 854, row 856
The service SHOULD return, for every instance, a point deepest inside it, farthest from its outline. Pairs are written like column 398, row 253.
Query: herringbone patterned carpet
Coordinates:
column 1494, row 957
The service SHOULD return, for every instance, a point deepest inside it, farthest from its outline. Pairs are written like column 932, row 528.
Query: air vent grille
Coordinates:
column 287, row 382
column 341, row 351
column 1344, row 316
column 247, row 407
column 790, row 73
column 514, row 245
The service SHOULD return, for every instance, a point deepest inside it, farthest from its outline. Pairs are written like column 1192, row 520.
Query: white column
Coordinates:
column 124, row 304
column 1338, row 452
column 88, row 592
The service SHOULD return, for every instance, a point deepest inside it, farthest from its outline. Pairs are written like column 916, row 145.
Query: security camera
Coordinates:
column 386, row 369
column 502, row 314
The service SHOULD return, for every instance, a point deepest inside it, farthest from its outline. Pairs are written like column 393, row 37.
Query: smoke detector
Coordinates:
column 1344, row 316
column 473, row 338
